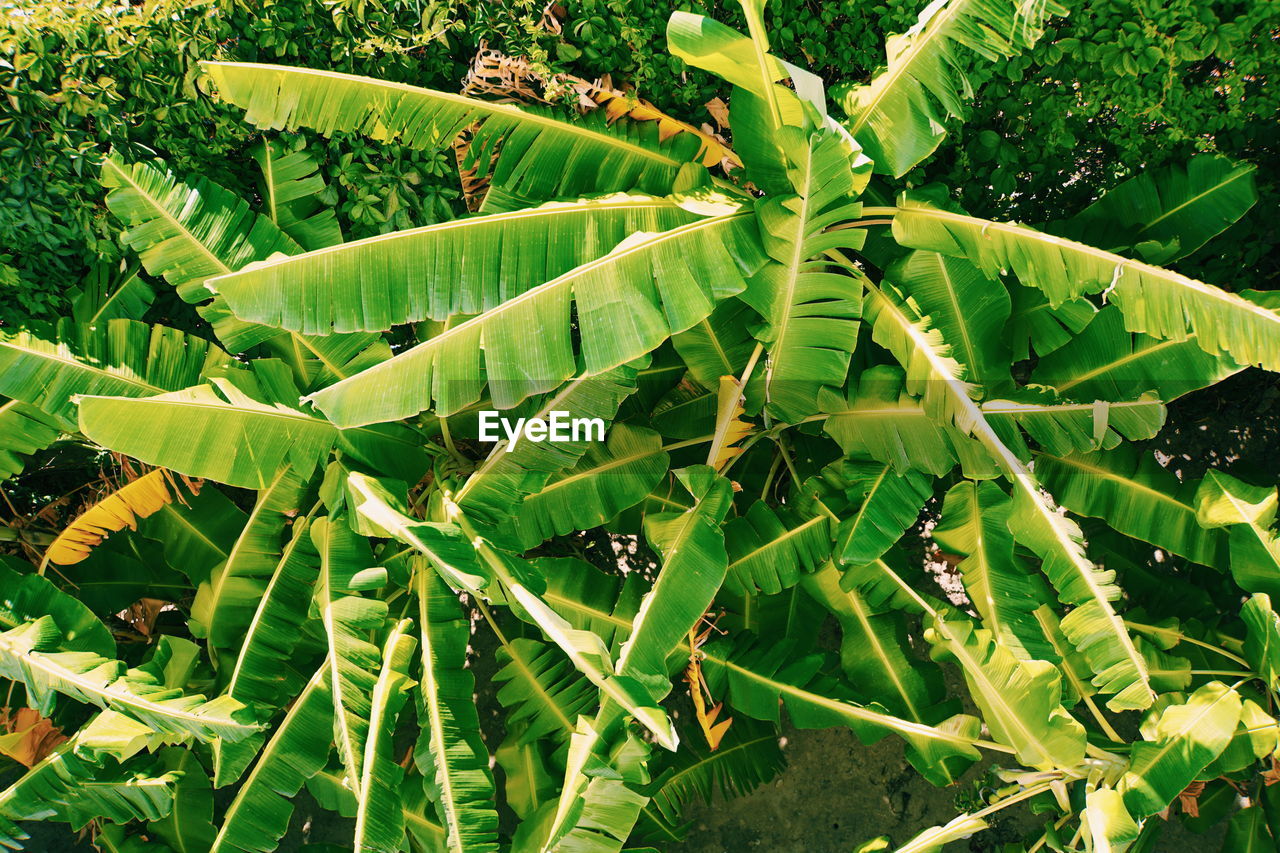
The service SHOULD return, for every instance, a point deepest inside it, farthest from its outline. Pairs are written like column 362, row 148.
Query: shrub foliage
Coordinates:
column 1113, row 88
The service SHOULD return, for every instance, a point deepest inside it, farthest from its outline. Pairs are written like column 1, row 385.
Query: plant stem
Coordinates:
column 9, row 504
column 746, row 445
column 690, row 442
column 860, row 223
column 761, row 43
column 786, row 457
column 1224, row 673
column 448, row 441
column 751, row 366
column 1102, row 721
column 768, row 480
column 1026, row 794
column 1044, row 839
column 488, row 617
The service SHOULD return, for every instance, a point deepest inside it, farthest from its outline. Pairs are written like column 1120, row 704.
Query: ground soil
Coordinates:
column 836, row 793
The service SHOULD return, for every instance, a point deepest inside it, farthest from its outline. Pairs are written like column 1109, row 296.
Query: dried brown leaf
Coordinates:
column 29, row 737
column 712, row 730
column 143, row 613
column 1189, row 799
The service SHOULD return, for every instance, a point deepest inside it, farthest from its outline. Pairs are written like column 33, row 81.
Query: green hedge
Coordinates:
column 86, row 76
column 80, row 77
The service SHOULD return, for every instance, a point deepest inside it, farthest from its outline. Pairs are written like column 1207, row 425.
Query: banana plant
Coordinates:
column 816, row 389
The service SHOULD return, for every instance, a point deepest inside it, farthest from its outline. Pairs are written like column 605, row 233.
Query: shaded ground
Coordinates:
column 836, row 794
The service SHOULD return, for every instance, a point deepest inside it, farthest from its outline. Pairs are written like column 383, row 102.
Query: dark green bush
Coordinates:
column 1115, row 82
column 86, row 76
column 1118, row 77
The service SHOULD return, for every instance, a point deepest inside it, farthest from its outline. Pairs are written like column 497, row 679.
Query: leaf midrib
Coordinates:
column 165, row 214
column 528, row 675
column 498, row 453
column 380, row 699
column 690, row 522
column 1161, row 273
column 123, row 696
column 801, row 219
column 864, row 619
column 863, row 510
column 469, row 103
column 972, row 362
column 429, row 688
column 286, row 556
column 1128, row 358
column 264, row 758
column 1240, row 172
column 1023, row 479
column 226, row 270
column 74, row 362
column 565, row 279
column 1166, row 744
column 353, row 247
column 789, row 534
column 891, row 75
column 115, row 294
column 713, row 757
column 1123, row 481
column 260, row 505
column 843, row 708
column 979, row 552
column 615, row 462
column 1007, row 713
column 342, row 731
